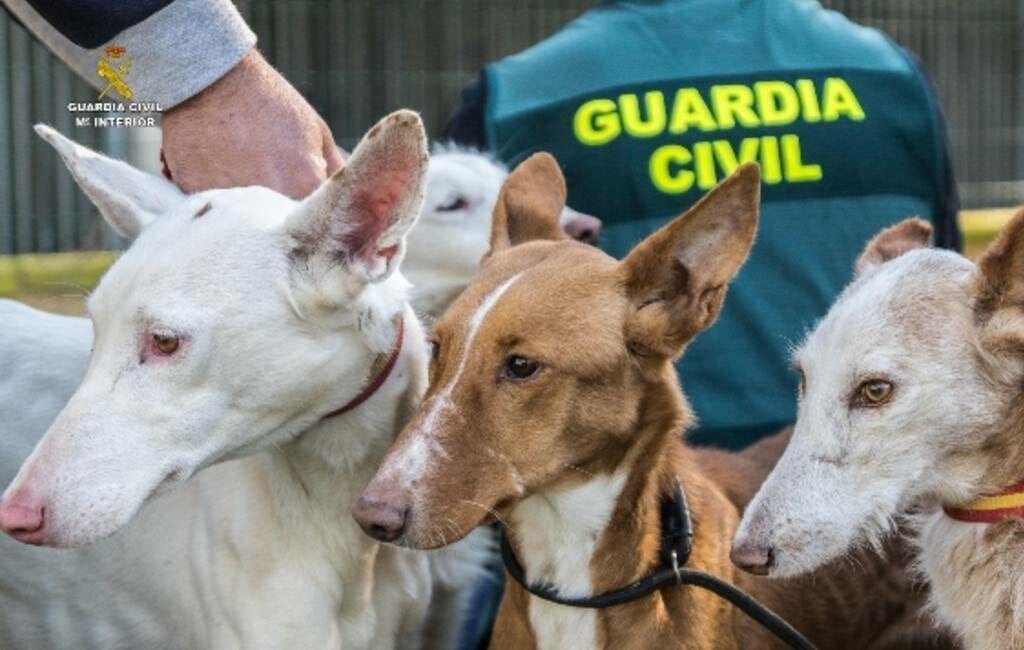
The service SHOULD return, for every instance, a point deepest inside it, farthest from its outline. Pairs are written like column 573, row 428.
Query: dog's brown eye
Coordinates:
column 874, row 392
column 518, row 367
column 166, row 344
column 435, row 348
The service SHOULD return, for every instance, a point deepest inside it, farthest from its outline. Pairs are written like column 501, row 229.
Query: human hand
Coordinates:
column 251, row 127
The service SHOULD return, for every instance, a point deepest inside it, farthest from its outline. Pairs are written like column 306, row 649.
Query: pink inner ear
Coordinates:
column 373, row 211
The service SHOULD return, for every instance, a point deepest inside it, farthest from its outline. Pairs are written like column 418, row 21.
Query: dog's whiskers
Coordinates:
column 441, row 539
column 579, row 469
column 450, row 523
column 489, row 510
column 517, row 477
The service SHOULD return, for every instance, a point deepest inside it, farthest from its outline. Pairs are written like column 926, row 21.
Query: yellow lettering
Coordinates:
column 838, row 99
column 734, row 103
column 777, row 102
column 771, row 168
column 596, row 122
column 636, row 126
column 667, row 171
column 704, row 165
column 727, row 156
column 796, row 170
column 809, row 100
column 689, row 110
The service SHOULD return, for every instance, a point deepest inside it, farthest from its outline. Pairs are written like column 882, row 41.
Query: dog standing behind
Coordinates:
column 454, row 228
column 912, row 398
column 238, row 335
column 554, row 408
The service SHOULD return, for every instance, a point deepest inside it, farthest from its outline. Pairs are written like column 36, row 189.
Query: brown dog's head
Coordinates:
column 541, row 367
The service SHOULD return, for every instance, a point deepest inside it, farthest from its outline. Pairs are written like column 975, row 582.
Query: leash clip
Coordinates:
column 675, row 567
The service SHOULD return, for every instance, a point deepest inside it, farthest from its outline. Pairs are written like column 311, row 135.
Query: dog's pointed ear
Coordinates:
column 892, row 242
column 676, row 278
column 360, row 216
column 128, row 198
column 998, row 291
column 530, row 204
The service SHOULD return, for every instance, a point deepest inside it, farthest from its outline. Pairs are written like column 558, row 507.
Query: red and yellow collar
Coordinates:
column 990, row 509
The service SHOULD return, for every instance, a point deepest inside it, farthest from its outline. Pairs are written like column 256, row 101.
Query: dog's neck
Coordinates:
column 1004, row 450
column 995, row 469
column 969, row 549
column 327, row 466
column 604, row 532
column 991, row 458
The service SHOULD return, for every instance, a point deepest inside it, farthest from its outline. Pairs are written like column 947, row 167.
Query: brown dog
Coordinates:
column 554, row 408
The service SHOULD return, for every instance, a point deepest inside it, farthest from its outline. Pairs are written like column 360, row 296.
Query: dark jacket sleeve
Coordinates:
column 466, row 125
column 173, row 48
column 91, row 23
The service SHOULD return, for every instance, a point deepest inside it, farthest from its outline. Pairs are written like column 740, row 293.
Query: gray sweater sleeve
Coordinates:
column 175, row 53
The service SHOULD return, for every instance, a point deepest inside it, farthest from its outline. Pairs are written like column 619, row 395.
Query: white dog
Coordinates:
column 245, row 327
column 912, row 398
column 44, row 355
column 454, row 229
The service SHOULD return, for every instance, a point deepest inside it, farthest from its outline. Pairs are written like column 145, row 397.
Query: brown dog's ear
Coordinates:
column 1000, row 277
column 999, row 291
column 892, row 242
column 529, row 204
column 676, row 278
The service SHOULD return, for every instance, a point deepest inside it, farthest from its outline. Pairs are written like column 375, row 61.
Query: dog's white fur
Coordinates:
column 279, row 325
column 454, row 229
column 558, row 531
column 849, row 470
column 44, row 355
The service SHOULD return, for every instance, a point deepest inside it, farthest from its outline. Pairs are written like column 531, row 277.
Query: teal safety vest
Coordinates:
column 647, row 105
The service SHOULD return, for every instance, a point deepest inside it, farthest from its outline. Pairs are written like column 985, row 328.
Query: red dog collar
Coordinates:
column 993, row 508
column 380, row 371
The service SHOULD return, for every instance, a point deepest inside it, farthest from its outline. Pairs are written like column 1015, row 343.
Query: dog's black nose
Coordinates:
column 753, row 558
column 381, row 519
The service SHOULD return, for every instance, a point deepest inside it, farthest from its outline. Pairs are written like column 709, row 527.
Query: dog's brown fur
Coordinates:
column 606, row 400
column 975, row 569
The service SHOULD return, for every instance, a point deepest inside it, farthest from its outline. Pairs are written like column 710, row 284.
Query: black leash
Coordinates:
column 676, row 544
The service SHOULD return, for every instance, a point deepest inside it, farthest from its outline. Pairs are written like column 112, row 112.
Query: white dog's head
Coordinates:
column 454, row 229
column 903, row 384
column 235, row 321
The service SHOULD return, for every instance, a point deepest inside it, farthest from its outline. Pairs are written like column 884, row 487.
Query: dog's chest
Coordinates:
column 258, row 573
column 558, row 533
column 976, row 572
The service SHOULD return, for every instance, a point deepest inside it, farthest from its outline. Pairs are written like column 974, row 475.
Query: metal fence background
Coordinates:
column 358, row 59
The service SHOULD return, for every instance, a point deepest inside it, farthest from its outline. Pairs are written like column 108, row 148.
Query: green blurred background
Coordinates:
column 358, row 59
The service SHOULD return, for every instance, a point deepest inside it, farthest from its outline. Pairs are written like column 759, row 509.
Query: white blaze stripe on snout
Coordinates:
column 414, row 458
column 442, row 400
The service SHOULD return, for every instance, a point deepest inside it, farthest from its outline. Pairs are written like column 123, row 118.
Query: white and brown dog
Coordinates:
column 912, row 398
column 253, row 359
column 554, row 407
column 44, row 357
